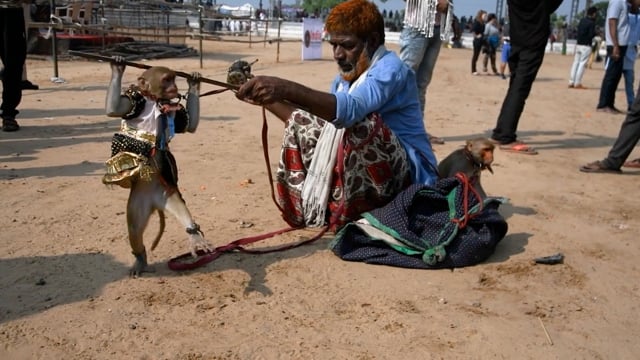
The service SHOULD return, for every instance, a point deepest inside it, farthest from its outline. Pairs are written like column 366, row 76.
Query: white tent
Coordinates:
column 246, row 10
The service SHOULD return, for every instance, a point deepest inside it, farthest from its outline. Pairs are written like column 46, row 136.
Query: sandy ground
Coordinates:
column 64, row 258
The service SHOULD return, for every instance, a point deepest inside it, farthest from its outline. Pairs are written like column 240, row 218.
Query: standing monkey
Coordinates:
column 474, row 157
column 140, row 160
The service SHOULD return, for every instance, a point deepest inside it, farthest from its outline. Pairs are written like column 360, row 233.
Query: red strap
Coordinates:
column 203, row 257
column 265, row 151
column 466, row 189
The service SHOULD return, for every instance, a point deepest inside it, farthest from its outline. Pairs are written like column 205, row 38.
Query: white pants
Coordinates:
column 580, row 59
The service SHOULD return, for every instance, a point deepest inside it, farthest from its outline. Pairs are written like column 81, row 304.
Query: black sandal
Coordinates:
column 10, row 125
column 598, row 167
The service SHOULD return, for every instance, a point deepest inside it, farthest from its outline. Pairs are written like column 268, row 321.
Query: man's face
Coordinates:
column 350, row 52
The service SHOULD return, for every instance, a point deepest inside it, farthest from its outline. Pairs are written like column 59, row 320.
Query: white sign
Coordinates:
column 312, row 39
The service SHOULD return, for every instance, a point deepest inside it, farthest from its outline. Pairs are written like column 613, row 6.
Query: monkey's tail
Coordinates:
column 162, row 223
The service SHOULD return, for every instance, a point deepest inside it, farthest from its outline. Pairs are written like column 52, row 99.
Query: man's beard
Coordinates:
column 358, row 68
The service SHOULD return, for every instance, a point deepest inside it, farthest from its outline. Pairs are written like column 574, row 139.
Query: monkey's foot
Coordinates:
column 140, row 266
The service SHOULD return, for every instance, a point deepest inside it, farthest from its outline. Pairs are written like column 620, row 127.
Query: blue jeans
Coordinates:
column 420, row 53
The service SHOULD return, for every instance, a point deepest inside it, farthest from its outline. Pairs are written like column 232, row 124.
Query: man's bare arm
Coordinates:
column 280, row 96
column 613, row 31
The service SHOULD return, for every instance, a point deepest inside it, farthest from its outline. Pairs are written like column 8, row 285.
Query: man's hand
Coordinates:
column 262, row 90
column 615, row 53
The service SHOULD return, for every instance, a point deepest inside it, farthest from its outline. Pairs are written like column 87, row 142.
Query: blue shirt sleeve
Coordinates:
column 379, row 87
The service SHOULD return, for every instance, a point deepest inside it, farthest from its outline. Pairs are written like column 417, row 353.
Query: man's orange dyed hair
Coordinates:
column 359, row 17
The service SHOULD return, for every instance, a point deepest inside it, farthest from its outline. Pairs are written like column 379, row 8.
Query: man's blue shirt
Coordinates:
column 390, row 89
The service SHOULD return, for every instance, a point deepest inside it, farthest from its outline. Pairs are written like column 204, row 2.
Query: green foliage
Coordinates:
column 558, row 21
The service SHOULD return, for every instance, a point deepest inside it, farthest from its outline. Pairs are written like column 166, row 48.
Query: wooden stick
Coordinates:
column 545, row 331
column 145, row 66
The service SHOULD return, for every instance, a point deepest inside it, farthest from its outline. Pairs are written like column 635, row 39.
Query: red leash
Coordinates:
column 466, row 189
column 178, row 263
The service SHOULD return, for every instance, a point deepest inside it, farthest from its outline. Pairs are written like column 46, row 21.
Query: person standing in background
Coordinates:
column 13, row 52
column 617, row 38
column 491, row 43
column 595, row 48
column 630, row 57
column 25, row 84
column 530, row 29
column 477, row 29
column 421, row 53
column 506, row 49
column 586, row 33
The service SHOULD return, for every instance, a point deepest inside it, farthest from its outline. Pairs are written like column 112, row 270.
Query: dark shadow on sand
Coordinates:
column 560, row 141
column 510, row 245
column 255, row 265
column 33, row 284
column 508, row 210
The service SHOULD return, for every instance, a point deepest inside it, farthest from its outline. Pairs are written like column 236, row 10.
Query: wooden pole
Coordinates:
column 278, row 40
column 54, row 43
column 200, row 23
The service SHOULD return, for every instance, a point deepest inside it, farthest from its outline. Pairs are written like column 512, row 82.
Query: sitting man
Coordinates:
column 355, row 148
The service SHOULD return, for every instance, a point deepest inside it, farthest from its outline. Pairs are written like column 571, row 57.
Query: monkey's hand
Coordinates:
column 194, row 80
column 117, row 64
column 197, row 241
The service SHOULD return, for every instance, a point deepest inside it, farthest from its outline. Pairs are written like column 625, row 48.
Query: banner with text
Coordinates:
column 312, row 38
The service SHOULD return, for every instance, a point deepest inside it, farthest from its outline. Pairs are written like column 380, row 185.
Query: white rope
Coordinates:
column 317, row 185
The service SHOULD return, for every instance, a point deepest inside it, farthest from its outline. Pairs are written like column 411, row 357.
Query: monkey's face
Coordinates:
column 481, row 151
column 160, row 82
column 487, row 156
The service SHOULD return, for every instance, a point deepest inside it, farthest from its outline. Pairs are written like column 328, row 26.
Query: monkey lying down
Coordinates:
column 140, row 160
column 475, row 156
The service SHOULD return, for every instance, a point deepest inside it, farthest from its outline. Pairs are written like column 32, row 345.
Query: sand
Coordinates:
column 64, row 255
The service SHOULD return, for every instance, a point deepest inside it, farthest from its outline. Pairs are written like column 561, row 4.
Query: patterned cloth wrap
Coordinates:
column 426, row 227
column 375, row 168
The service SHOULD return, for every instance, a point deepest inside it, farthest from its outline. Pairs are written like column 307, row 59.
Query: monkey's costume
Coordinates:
column 142, row 145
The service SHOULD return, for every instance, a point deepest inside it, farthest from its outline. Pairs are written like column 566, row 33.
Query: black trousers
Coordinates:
column 524, row 64
column 477, row 47
column 627, row 138
column 13, row 51
column 611, row 78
